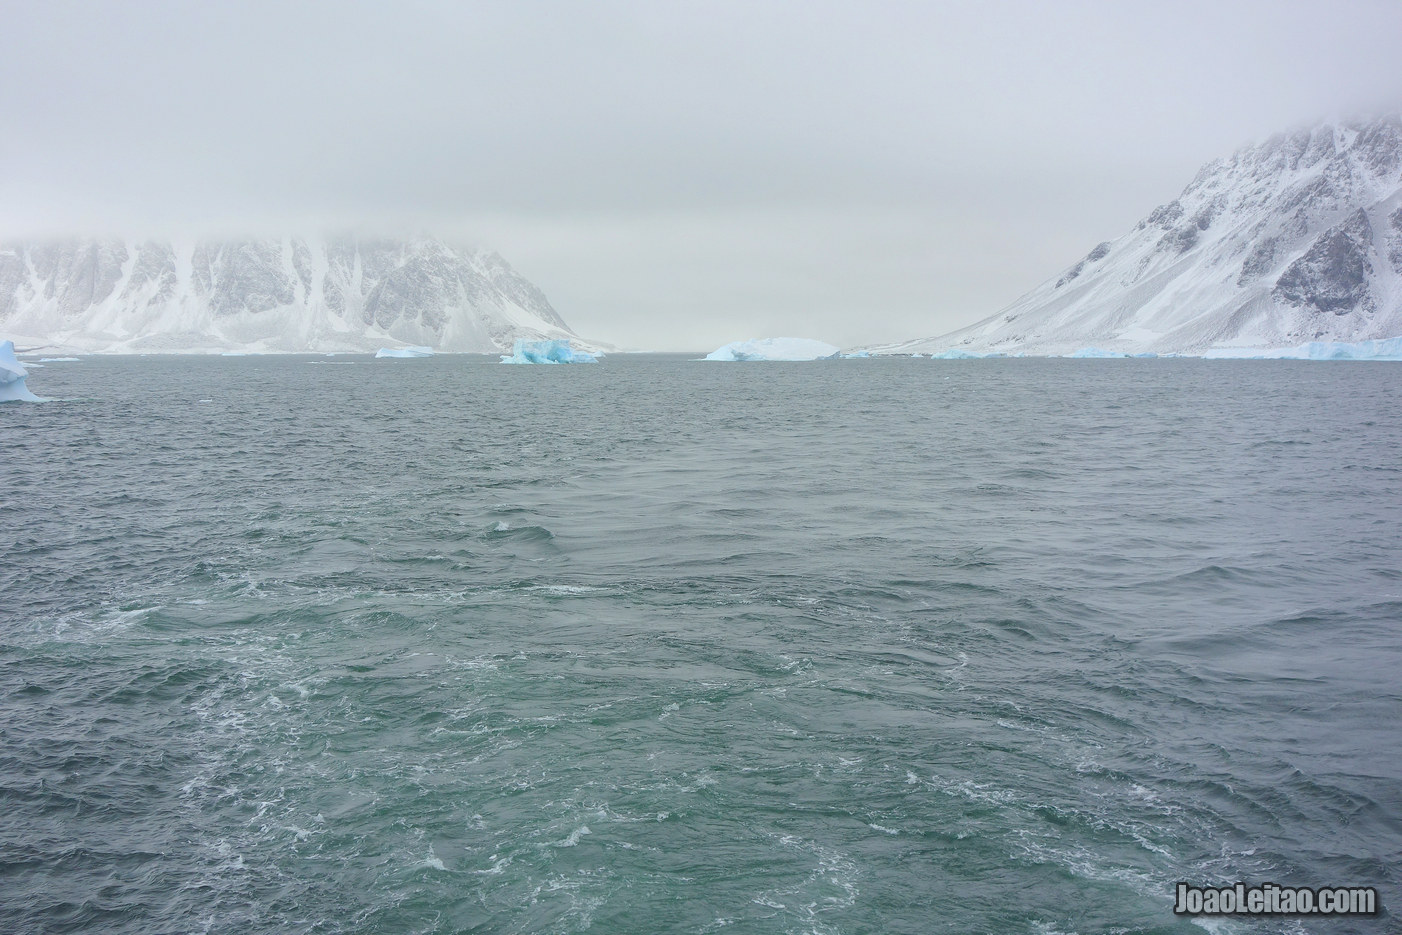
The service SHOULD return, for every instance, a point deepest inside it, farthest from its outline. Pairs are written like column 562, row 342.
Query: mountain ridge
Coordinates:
column 271, row 294
column 1293, row 240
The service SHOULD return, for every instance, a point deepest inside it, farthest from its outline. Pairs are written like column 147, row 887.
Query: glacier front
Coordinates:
column 775, row 349
column 12, row 374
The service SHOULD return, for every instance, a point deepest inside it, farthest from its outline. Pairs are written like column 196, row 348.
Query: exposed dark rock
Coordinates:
column 1379, row 147
column 1333, row 274
column 1259, row 261
column 1166, row 216
column 79, row 273
column 1394, row 240
column 154, row 271
column 1070, row 274
column 1180, row 239
column 246, row 277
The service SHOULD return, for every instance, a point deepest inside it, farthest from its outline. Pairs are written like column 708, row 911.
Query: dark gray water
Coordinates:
column 883, row 646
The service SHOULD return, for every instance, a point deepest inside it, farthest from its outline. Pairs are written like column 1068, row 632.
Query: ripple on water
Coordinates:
column 869, row 648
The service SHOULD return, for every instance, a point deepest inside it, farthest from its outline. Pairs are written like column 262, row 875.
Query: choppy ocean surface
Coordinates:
column 334, row 645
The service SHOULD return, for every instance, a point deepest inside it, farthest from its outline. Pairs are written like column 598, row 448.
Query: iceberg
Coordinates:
column 410, row 351
column 547, row 352
column 1379, row 349
column 775, row 349
column 955, row 353
column 1096, row 352
column 12, row 374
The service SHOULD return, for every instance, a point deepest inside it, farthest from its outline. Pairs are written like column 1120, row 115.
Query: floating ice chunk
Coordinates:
column 956, row 353
column 775, row 349
column 12, row 374
column 1096, row 352
column 410, row 351
column 858, row 354
column 58, row 360
column 547, row 352
column 1380, row 349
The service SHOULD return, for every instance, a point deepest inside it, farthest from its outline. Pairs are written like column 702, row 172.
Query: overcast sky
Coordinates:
column 674, row 175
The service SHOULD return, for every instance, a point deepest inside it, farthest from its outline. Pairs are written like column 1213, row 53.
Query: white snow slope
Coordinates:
column 1296, row 240
column 281, row 294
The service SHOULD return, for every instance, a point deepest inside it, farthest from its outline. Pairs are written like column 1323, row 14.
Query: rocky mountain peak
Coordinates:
column 281, row 293
column 1295, row 239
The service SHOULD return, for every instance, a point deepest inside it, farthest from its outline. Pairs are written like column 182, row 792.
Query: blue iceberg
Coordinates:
column 775, row 349
column 12, row 374
column 411, row 351
column 547, row 352
column 1097, row 352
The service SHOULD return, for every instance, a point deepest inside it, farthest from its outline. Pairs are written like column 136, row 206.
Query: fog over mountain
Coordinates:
column 274, row 294
column 1297, row 239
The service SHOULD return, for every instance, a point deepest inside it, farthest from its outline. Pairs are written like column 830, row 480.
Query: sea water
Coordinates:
column 324, row 645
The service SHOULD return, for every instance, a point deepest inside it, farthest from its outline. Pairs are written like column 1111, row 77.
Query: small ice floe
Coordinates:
column 412, row 350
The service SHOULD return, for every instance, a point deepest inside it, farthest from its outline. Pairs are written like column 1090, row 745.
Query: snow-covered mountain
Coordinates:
column 280, row 294
column 1298, row 239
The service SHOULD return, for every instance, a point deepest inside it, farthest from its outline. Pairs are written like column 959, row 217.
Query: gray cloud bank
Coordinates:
column 674, row 175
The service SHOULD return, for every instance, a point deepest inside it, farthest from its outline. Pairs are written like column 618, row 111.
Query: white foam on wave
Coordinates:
column 1087, row 864
column 831, row 885
column 564, row 588
column 82, row 627
column 574, row 837
column 499, row 865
